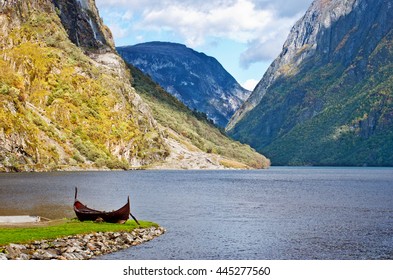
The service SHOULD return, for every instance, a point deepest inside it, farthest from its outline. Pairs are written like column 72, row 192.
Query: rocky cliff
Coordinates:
column 327, row 98
column 83, row 24
column 199, row 81
column 67, row 101
column 66, row 98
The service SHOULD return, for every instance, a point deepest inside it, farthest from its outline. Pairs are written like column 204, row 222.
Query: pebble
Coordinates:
column 79, row 247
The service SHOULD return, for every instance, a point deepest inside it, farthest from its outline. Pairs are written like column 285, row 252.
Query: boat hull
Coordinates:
column 85, row 213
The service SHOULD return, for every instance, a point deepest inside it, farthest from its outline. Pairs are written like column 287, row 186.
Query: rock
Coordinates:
column 71, row 249
column 91, row 247
column 99, row 220
column 37, row 256
column 58, row 244
column 18, row 246
column 80, row 247
column 48, row 256
column 128, row 238
column 13, row 252
column 73, row 256
column 119, row 241
column 84, row 25
column 53, row 253
column 45, row 246
column 23, row 257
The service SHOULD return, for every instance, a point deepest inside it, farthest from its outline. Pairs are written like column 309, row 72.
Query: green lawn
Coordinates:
column 62, row 228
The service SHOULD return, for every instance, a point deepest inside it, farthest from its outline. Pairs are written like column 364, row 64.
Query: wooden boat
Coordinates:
column 85, row 213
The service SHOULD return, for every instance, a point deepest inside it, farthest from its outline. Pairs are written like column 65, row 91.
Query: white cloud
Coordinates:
column 140, row 38
column 250, row 84
column 119, row 31
column 238, row 22
column 127, row 16
column 261, row 25
column 268, row 43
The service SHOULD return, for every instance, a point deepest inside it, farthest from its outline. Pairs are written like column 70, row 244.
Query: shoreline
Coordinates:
column 80, row 246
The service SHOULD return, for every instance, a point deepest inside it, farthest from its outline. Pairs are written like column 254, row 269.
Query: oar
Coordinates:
column 132, row 216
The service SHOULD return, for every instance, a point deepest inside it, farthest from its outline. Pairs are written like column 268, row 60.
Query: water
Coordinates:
column 280, row 213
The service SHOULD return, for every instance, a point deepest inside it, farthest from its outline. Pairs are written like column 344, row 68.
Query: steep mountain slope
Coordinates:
column 195, row 142
column 67, row 102
column 199, row 81
column 327, row 99
column 67, row 107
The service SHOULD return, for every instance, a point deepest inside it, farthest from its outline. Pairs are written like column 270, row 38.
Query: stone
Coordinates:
column 99, row 220
column 23, row 257
column 128, row 238
column 37, row 256
column 13, row 252
column 45, row 246
column 91, row 247
column 77, row 248
column 54, row 253
column 18, row 246
column 58, row 244
column 48, row 256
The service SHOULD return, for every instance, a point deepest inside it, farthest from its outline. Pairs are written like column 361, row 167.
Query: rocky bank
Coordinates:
column 79, row 247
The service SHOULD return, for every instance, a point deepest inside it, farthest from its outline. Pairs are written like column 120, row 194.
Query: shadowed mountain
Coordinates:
column 198, row 80
column 327, row 99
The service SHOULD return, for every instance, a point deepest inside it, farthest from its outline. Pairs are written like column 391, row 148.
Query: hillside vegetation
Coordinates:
column 193, row 127
column 68, row 104
column 61, row 109
column 328, row 97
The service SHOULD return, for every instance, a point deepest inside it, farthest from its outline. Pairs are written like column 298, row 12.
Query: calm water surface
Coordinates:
column 280, row 213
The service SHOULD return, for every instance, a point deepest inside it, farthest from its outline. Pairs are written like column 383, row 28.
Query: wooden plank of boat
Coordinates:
column 19, row 219
column 85, row 213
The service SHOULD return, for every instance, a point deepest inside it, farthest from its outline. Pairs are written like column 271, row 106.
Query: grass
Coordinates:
column 233, row 164
column 62, row 228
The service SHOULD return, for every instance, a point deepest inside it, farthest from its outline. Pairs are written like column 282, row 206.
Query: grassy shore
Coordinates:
column 62, row 228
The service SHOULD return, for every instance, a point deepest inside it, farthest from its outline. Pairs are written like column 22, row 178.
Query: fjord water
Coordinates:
column 280, row 213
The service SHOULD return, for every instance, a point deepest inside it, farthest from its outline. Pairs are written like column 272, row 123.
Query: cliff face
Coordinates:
column 67, row 102
column 65, row 96
column 300, row 45
column 327, row 99
column 199, row 81
column 83, row 24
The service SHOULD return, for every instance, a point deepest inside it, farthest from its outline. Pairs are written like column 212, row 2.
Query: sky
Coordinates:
column 245, row 36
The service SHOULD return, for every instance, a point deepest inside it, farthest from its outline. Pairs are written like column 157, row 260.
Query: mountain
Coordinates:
column 195, row 142
column 67, row 101
column 327, row 99
column 198, row 80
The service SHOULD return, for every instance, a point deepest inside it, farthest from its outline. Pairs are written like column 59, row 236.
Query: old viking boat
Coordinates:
column 85, row 213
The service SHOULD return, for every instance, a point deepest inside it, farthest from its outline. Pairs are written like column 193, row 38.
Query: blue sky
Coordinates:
column 245, row 36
